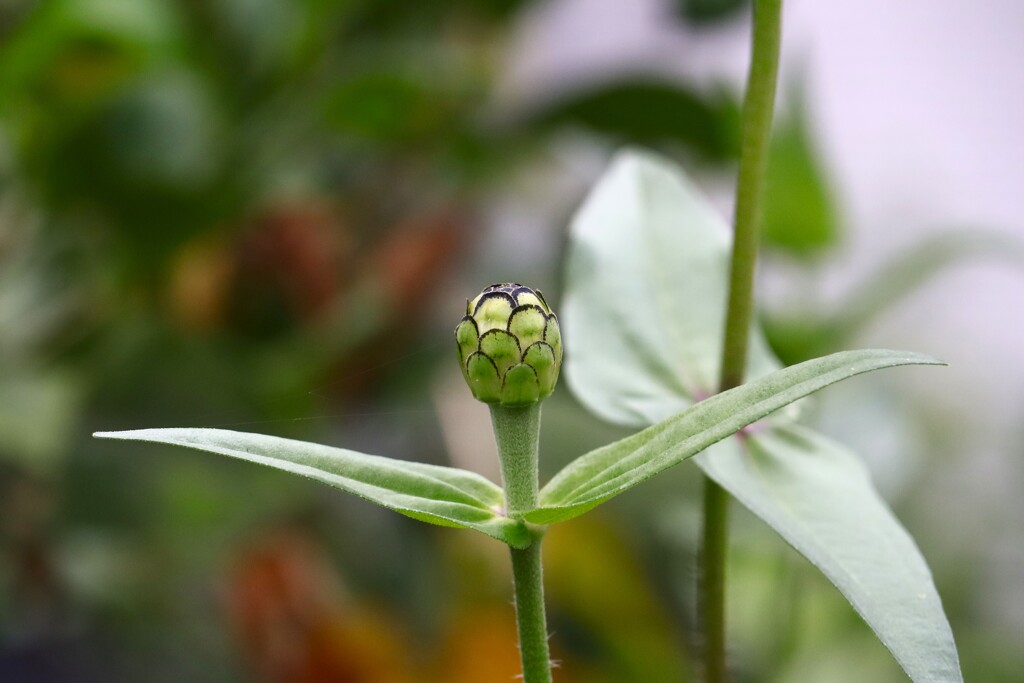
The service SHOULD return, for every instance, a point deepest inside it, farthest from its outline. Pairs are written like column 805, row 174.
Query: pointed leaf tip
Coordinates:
column 444, row 496
column 613, row 469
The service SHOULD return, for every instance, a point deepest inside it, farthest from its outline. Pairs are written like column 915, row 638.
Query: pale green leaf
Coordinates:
column 645, row 294
column 644, row 310
column 610, row 470
column 818, row 496
column 439, row 495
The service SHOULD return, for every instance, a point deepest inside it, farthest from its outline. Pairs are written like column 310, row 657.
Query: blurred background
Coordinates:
column 265, row 215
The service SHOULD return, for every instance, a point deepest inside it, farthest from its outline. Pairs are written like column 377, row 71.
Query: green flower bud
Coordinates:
column 510, row 347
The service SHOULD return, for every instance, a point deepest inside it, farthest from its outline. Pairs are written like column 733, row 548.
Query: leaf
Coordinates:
column 799, row 214
column 798, row 337
column 818, row 496
column 907, row 272
column 385, row 107
column 702, row 12
column 110, row 37
column 645, row 295
column 430, row 493
column 647, row 111
column 601, row 474
column 645, row 302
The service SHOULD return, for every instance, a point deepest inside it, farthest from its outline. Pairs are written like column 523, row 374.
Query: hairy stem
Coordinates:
column 758, row 107
column 530, row 619
column 517, row 432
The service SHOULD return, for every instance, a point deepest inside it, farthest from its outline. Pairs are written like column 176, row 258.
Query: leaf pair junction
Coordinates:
column 647, row 283
column 453, row 497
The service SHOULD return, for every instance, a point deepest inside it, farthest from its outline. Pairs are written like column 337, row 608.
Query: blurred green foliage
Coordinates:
column 651, row 112
column 705, row 11
column 799, row 211
column 238, row 213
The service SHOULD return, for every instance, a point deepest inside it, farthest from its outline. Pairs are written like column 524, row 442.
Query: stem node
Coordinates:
column 517, row 431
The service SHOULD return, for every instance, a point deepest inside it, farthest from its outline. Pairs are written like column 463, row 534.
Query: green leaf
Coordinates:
column 818, row 496
column 701, row 12
column 645, row 301
column 430, row 493
column 385, row 107
column 645, row 294
column 597, row 476
column 647, row 111
column 798, row 207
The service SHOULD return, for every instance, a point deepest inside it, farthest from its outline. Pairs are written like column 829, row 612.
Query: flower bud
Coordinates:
column 510, row 347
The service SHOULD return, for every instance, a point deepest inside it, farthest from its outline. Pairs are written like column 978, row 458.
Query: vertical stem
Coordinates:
column 517, row 431
column 530, row 619
column 758, row 107
column 711, row 599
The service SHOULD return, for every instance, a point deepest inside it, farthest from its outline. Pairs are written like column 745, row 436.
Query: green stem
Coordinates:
column 758, row 107
column 517, row 431
column 715, row 543
column 530, row 619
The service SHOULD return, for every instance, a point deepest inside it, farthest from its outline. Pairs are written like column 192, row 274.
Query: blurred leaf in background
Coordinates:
column 649, row 111
column 709, row 11
column 799, row 210
column 216, row 212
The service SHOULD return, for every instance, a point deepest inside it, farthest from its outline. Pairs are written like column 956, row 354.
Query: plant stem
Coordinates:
column 711, row 598
column 530, row 619
column 758, row 107
column 517, row 431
